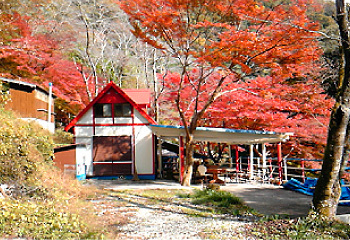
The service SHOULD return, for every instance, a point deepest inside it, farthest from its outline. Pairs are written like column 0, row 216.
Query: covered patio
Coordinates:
column 259, row 167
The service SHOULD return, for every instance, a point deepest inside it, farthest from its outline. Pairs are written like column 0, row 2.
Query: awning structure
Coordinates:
column 229, row 136
column 222, row 135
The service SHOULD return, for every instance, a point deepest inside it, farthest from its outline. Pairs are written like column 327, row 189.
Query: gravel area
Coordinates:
column 147, row 219
column 157, row 223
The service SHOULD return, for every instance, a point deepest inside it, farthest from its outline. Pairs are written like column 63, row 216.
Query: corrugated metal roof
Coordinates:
column 19, row 82
column 223, row 135
column 26, row 84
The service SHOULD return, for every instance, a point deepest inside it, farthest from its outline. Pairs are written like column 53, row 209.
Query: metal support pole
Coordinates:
column 264, row 166
column 160, row 162
column 251, row 162
column 237, row 160
column 285, row 169
column 230, row 155
column 258, row 167
column 279, row 161
column 49, row 109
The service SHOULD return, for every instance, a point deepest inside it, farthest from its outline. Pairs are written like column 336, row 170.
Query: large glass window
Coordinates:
column 103, row 110
column 122, row 110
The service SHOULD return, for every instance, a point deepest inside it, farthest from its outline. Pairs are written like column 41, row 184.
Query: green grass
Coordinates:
column 160, row 194
column 221, row 202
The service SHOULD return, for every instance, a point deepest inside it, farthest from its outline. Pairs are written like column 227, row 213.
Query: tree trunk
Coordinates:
column 327, row 192
column 186, row 181
column 135, row 176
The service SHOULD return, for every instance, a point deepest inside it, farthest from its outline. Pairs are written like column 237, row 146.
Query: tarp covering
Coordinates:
column 308, row 188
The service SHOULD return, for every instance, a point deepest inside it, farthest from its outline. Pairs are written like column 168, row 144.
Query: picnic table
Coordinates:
column 215, row 171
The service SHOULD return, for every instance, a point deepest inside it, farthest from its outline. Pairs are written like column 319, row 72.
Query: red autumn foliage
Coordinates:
column 36, row 58
column 230, row 33
column 228, row 42
column 263, row 103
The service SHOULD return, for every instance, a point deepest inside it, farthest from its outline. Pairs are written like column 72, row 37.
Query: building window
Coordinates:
column 103, row 110
column 122, row 110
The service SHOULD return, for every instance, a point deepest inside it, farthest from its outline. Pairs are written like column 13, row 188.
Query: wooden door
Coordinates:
column 112, row 155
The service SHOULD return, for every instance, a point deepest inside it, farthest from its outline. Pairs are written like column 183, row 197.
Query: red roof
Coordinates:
column 140, row 96
column 123, row 94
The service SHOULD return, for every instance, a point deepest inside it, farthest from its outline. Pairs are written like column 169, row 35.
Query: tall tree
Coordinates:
column 263, row 103
column 328, row 190
column 104, row 48
column 35, row 58
column 224, row 41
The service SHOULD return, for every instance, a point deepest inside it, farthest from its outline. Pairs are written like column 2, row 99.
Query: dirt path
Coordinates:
column 151, row 218
column 266, row 199
column 158, row 223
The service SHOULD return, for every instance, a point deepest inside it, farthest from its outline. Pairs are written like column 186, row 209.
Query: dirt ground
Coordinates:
column 265, row 198
column 128, row 215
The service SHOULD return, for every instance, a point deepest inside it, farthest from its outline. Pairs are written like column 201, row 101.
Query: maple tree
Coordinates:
column 35, row 58
column 263, row 103
column 225, row 42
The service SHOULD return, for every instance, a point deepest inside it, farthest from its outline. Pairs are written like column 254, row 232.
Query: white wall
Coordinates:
column 84, row 131
column 113, row 131
column 139, row 118
column 144, row 150
column 86, row 118
column 81, row 160
column 84, row 155
column 44, row 124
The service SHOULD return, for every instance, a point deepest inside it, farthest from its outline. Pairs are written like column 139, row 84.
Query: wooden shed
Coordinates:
column 67, row 160
column 116, row 132
column 30, row 101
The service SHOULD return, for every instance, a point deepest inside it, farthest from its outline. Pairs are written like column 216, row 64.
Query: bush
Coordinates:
column 42, row 203
column 33, row 220
column 62, row 137
column 24, row 148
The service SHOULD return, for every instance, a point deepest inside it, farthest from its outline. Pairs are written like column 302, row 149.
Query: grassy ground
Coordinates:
column 212, row 203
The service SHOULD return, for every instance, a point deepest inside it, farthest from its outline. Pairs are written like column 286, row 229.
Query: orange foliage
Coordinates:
column 36, row 58
column 242, row 36
column 240, row 62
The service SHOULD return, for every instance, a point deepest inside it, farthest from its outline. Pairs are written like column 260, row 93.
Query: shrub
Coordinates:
column 40, row 221
column 24, row 148
column 42, row 203
column 62, row 137
column 4, row 95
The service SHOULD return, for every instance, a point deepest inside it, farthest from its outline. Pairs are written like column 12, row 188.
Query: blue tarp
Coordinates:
column 308, row 188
